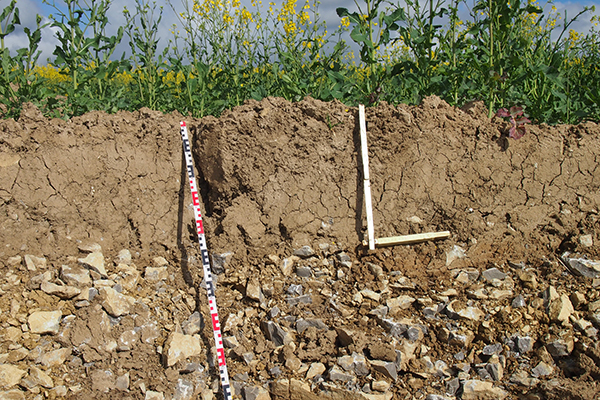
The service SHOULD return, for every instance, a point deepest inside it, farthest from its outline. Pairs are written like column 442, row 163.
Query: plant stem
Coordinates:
column 492, row 91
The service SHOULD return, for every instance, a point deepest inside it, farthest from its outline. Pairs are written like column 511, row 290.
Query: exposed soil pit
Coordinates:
column 97, row 224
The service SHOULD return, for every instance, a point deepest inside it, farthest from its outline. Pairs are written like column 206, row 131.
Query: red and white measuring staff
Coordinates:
column 210, row 288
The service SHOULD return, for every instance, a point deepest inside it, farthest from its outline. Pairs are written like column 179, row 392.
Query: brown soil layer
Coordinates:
column 274, row 177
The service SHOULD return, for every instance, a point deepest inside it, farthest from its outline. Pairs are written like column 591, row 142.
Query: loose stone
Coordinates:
column 64, row 292
column 10, row 375
column 156, row 274
column 95, row 262
column 34, row 263
column 315, row 369
column 386, row 368
column 304, row 252
column 45, row 322
column 476, row 390
column 75, row 275
column 560, row 309
column 180, row 347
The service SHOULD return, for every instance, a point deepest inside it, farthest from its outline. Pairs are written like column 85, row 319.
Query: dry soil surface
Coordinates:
column 102, row 294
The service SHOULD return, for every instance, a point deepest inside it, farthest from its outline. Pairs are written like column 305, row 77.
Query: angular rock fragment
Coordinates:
column 149, row 332
column 304, row 272
column 561, row 347
column 469, row 313
column 122, row 382
column 518, row 302
column 498, row 294
column 356, row 363
column 115, row 303
column 180, row 347
column 560, row 309
column 436, row 397
column 256, row 393
column 40, row 378
column 184, row 390
column 492, row 349
column 193, row 324
column 276, row 333
column 396, row 329
column 274, row 312
column 124, row 257
column 522, row 378
column 528, row 279
column 90, row 248
column 581, row 266
column 295, row 290
column 33, row 263
column 478, row 390
column 220, row 262
column 344, row 259
column 416, row 332
column 129, row 276
column 45, row 322
column 64, row 292
column 578, row 300
column 128, row 340
column 379, row 313
column 386, row 368
column 542, row 369
column 315, row 369
column 467, row 276
column 287, row 265
column 253, row 290
column 452, row 386
column 304, row 252
column 95, row 262
column 75, row 275
column 492, row 274
column 586, row 240
column 156, row 274
column 102, row 380
column 160, row 262
column 54, row 358
column 14, row 394
column 380, row 386
column 304, row 299
column 152, row 395
column 399, row 303
column 370, row 294
column 524, row 344
column 345, row 336
column 338, row 374
column 10, row 375
column 456, row 253
column 495, row 368
column 303, row 324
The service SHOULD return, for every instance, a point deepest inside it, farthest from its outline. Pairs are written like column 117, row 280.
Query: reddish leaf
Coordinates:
column 503, row 112
column 516, row 111
column 516, row 132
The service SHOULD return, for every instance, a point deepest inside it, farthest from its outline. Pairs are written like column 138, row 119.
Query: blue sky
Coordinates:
column 29, row 9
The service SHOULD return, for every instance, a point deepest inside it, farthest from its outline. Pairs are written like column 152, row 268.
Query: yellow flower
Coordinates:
column 345, row 22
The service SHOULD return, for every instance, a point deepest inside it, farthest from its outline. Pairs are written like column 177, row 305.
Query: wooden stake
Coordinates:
column 367, row 182
column 389, row 241
column 410, row 239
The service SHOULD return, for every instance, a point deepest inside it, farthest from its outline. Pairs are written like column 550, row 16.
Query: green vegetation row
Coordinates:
column 221, row 53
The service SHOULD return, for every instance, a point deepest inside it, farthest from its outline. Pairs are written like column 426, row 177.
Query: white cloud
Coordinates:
column 327, row 11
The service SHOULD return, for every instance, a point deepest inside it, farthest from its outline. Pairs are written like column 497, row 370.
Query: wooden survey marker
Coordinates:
column 372, row 242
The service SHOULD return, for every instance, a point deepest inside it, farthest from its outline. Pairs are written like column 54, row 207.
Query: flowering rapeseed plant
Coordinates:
column 223, row 52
